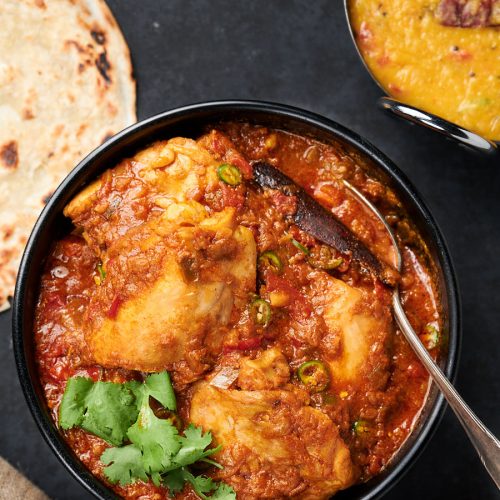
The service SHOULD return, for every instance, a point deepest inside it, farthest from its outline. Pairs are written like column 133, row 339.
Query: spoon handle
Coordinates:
column 486, row 444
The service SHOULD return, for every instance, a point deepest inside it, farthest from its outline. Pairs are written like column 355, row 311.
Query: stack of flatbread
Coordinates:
column 66, row 85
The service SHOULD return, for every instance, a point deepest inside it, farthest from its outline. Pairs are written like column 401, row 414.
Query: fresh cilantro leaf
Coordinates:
column 73, row 406
column 158, row 439
column 102, row 408
column 110, row 411
column 193, row 437
column 193, row 445
column 156, row 478
column 213, row 462
column 174, row 481
column 159, row 386
column 124, row 465
column 137, row 389
column 201, row 484
column 116, row 412
column 223, row 492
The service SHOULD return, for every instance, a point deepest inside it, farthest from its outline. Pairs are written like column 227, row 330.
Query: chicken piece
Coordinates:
column 273, row 444
column 177, row 276
column 175, row 305
column 356, row 343
column 269, row 370
column 178, row 170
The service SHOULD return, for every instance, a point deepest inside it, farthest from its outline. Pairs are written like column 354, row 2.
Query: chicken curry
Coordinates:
column 193, row 341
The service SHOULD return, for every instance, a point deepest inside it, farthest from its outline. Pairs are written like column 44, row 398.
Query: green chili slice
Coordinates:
column 101, row 271
column 261, row 311
column 271, row 259
column 322, row 257
column 229, row 174
column 314, row 374
column 333, row 264
column 361, row 427
column 300, row 246
column 431, row 336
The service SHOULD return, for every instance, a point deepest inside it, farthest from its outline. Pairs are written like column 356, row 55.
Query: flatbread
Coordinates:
column 66, row 85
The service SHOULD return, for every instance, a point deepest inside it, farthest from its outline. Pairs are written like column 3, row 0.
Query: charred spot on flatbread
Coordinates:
column 28, row 114
column 9, row 157
column 103, row 65
column 7, row 231
column 74, row 43
column 98, row 36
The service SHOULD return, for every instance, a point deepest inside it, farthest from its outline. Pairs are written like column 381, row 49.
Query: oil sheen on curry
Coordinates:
column 442, row 56
column 193, row 342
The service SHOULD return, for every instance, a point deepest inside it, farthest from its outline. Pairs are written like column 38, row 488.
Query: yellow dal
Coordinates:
column 451, row 72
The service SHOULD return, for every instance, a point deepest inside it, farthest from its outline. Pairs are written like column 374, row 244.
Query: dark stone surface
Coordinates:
column 300, row 53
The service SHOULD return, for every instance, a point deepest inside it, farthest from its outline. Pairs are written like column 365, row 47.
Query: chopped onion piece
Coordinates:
column 225, row 377
column 60, row 272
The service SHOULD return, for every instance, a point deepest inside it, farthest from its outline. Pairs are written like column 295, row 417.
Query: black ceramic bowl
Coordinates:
column 190, row 121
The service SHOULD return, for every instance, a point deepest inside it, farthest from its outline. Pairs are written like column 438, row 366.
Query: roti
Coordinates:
column 66, row 85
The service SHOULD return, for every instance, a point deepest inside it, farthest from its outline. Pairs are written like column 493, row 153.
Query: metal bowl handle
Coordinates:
column 459, row 134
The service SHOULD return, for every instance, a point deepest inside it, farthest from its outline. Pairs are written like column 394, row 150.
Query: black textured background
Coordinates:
column 300, row 53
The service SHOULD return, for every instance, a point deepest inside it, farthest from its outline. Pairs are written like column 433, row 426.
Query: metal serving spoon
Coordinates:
column 486, row 444
column 314, row 219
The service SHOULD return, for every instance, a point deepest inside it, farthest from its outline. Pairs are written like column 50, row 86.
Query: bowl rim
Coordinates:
column 193, row 112
column 413, row 114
